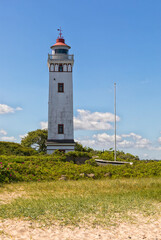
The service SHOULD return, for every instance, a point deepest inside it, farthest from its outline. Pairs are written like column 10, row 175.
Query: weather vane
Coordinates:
column 60, row 32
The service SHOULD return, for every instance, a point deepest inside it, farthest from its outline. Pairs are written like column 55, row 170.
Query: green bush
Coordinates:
column 91, row 162
column 75, row 154
column 79, row 147
column 121, row 156
column 11, row 148
column 52, row 167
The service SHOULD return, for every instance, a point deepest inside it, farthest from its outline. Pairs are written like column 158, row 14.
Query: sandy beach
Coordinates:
column 135, row 223
column 17, row 230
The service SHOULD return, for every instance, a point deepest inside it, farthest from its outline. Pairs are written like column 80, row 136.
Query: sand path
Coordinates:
column 19, row 230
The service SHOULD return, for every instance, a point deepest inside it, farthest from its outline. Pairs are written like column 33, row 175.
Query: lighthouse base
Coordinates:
column 61, row 145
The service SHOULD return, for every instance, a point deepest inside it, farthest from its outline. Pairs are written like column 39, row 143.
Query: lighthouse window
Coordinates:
column 60, row 128
column 60, row 68
column 60, row 87
column 64, row 51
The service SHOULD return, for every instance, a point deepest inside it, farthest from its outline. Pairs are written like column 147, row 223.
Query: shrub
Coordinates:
column 78, row 154
column 79, row 147
column 91, row 162
column 121, row 156
column 11, row 148
column 36, row 168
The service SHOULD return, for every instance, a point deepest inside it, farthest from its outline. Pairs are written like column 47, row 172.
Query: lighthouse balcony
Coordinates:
column 60, row 57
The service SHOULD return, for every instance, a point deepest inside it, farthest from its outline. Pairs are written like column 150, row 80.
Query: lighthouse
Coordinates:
column 60, row 105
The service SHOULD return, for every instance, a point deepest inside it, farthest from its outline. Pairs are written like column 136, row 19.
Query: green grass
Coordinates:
column 100, row 202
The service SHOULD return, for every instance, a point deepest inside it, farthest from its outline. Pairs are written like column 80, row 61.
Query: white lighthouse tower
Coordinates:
column 60, row 106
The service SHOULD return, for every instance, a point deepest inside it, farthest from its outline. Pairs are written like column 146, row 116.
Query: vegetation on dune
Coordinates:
column 25, row 149
column 107, row 154
column 74, row 202
column 11, row 148
column 77, row 202
column 20, row 162
column 121, row 156
column 36, row 168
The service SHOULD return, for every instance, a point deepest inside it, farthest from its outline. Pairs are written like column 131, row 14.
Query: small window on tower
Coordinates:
column 60, row 128
column 60, row 87
column 60, row 68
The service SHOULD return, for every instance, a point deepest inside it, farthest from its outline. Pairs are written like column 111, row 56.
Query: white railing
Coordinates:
column 60, row 57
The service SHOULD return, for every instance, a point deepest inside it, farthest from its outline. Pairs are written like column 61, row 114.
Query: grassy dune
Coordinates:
column 48, row 168
column 100, row 202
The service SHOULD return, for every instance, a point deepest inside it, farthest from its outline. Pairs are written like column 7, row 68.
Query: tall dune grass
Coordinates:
column 101, row 202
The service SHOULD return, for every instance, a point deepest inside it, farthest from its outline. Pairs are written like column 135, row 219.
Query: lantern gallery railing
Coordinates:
column 60, row 57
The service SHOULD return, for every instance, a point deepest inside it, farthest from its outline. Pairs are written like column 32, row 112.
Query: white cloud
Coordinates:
column 125, row 144
column 157, row 148
column 106, row 141
column 104, row 137
column 159, row 141
column 87, row 142
column 3, row 137
column 145, row 155
column 142, row 143
column 4, row 109
column 3, row 132
column 86, row 120
column 137, row 141
column 18, row 109
column 133, row 135
column 44, row 125
column 22, row 136
column 8, row 139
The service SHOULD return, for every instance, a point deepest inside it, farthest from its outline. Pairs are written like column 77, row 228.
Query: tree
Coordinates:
column 36, row 139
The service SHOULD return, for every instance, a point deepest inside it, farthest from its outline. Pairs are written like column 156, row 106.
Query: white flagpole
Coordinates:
column 115, row 118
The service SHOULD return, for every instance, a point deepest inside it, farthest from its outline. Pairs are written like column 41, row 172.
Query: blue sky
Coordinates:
column 112, row 41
